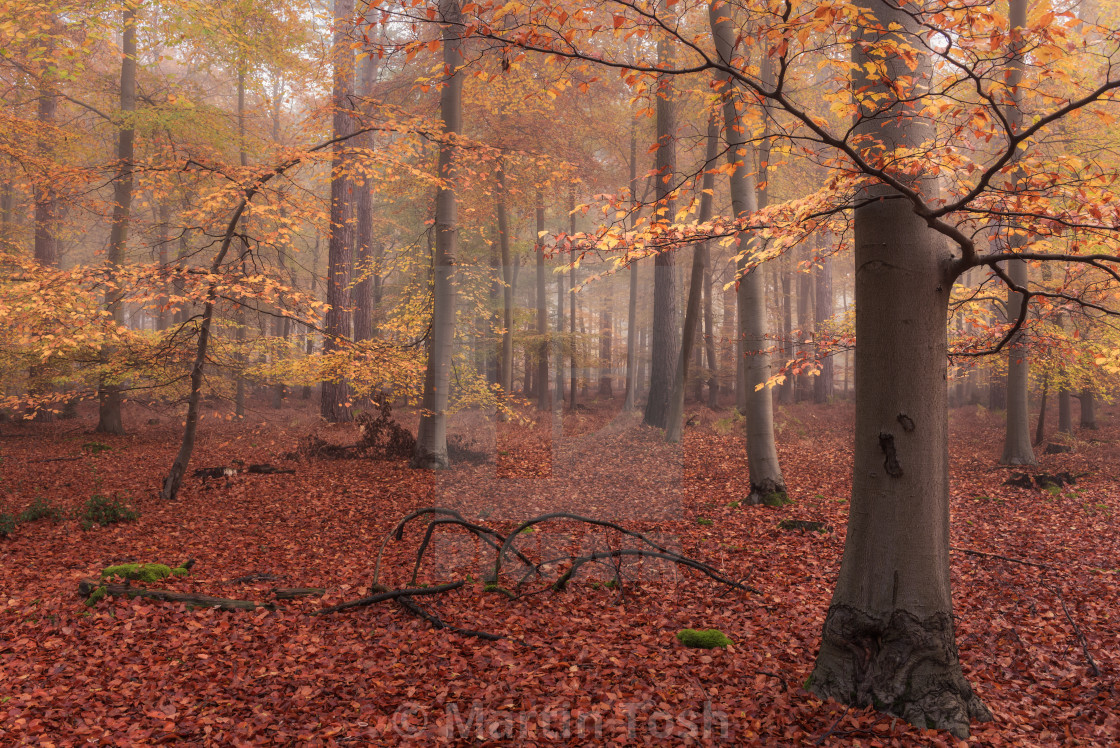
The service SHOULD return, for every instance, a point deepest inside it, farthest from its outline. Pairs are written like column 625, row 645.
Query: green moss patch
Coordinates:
column 776, row 499
column 703, row 638
column 144, row 572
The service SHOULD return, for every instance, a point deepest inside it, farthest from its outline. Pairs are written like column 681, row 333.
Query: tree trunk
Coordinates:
column 109, row 392
column 663, row 350
column 630, row 402
column 822, row 387
column 365, row 267
column 805, row 323
column 1017, row 441
column 710, row 341
column 239, row 395
column 766, row 483
column 505, row 361
column 1088, row 410
column 558, row 396
column 1040, row 427
column 543, row 391
column 674, row 426
column 606, row 331
column 46, row 207
column 572, row 302
column 431, row 437
column 888, row 639
column 334, row 395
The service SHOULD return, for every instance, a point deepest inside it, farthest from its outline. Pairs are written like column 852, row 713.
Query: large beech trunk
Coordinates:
column 663, row 347
column 109, row 392
column 334, row 403
column 766, row 483
column 1017, row 448
column 888, row 639
column 431, row 437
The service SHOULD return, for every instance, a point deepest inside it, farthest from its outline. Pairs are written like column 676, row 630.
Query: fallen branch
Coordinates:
column 579, row 561
column 88, row 587
column 390, row 595
column 1096, row 671
column 1003, row 558
column 294, row 592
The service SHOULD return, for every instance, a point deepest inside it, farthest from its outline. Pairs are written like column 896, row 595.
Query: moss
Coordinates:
column 101, row 510
column 181, row 571
column 8, row 524
column 97, row 594
column 808, row 682
column 704, row 521
column 141, row 572
column 776, row 499
column 703, row 638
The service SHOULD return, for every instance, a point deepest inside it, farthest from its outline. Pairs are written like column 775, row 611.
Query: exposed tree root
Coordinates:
column 899, row 664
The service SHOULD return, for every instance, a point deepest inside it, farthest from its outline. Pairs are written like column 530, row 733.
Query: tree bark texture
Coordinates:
column 431, row 437
column 762, row 453
column 888, row 638
column 109, row 392
column 334, row 402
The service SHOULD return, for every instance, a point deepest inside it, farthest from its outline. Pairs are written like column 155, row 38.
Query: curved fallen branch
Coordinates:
column 390, row 595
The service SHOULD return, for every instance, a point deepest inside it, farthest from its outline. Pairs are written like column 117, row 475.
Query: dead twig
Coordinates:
column 1096, row 671
column 390, row 595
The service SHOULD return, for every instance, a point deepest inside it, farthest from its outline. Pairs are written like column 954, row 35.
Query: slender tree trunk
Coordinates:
column 572, row 303
column 665, row 341
column 786, row 390
column 365, row 267
column 558, row 403
column 805, row 323
column 1040, row 426
column 506, row 359
column 766, row 483
column 334, row 403
column 673, row 426
column 239, row 396
column 822, row 387
column 109, row 392
column 606, row 332
column 543, row 391
column 1017, row 442
column 630, row 401
column 888, row 639
column 46, row 206
column 710, row 341
column 431, row 438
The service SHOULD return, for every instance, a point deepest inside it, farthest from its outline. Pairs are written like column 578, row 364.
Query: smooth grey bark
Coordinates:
column 1017, row 448
column 674, row 425
column 665, row 333
column 505, row 360
column 558, row 396
column 543, row 391
column 710, row 341
column 431, row 437
column 243, row 157
column 766, row 483
column 334, row 394
column 630, row 401
column 888, row 639
column 572, row 303
column 606, row 335
column 822, row 308
column 804, row 323
column 109, row 393
column 46, row 205
column 1088, row 410
column 365, row 265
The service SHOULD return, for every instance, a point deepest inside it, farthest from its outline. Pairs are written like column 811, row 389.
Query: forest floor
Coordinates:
column 597, row 660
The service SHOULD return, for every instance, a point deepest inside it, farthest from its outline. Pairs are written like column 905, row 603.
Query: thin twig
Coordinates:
column 391, row 595
column 1096, row 671
column 1004, row 558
